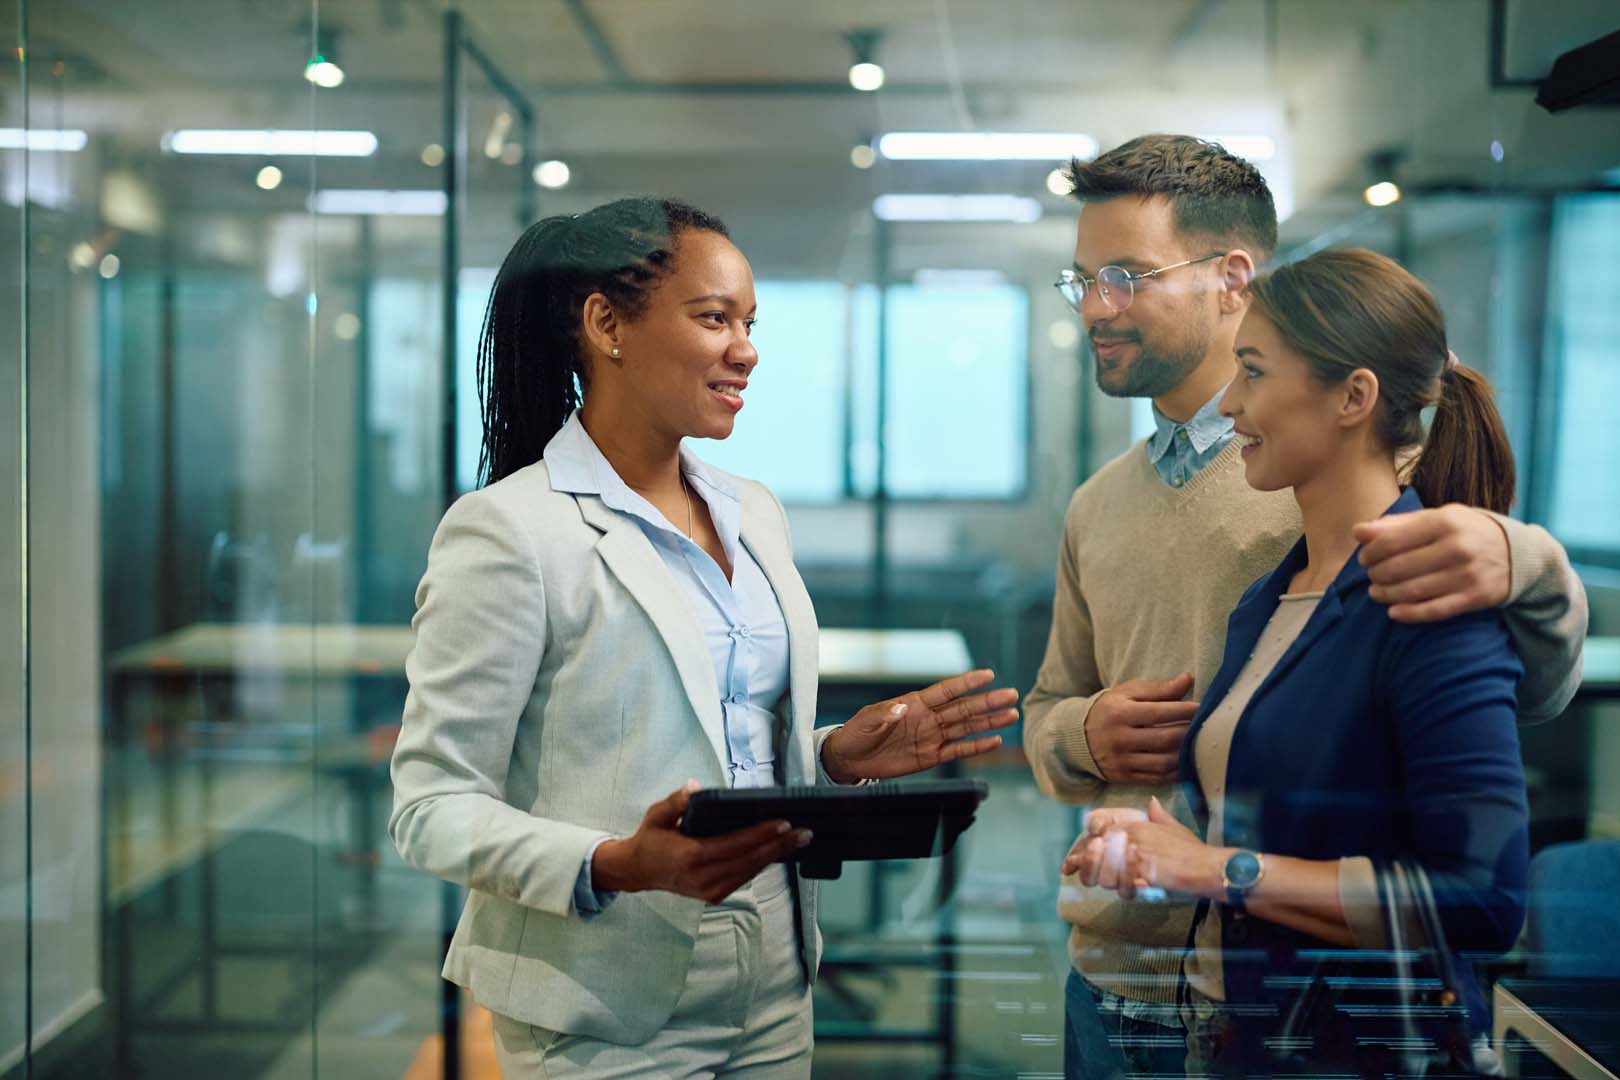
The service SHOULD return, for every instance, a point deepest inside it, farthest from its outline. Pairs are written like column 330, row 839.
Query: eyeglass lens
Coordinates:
column 1114, row 288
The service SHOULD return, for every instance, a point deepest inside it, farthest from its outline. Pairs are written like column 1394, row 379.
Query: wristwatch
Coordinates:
column 1242, row 873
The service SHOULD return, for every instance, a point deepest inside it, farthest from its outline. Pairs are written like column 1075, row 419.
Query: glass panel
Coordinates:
column 374, row 417
column 229, row 372
column 1586, row 304
column 800, row 385
column 15, row 779
column 958, row 361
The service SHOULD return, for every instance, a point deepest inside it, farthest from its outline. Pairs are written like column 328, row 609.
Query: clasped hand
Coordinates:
column 1127, row 850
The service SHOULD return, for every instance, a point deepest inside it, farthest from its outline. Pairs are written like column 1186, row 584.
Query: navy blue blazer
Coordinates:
column 1377, row 738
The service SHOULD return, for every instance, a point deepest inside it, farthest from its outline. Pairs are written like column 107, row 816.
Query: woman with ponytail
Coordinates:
column 1333, row 738
column 605, row 626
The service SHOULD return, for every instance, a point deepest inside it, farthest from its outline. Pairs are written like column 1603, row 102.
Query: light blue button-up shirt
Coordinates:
column 741, row 620
column 1180, row 451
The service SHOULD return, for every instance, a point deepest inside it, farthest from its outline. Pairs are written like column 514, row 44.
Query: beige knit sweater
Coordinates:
column 1146, row 579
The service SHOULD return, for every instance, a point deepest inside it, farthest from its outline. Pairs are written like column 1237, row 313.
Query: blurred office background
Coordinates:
column 244, row 249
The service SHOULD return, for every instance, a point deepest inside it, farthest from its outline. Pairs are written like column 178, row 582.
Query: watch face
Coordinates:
column 1243, row 870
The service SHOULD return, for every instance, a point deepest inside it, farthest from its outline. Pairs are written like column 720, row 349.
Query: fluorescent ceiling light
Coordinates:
column 68, row 141
column 396, row 203
column 271, row 143
column 1014, row 208
column 986, row 146
column 1249, row 147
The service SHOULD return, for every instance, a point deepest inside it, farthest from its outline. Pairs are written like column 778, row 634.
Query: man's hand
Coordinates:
column 1134, row 730
column 1434, row 564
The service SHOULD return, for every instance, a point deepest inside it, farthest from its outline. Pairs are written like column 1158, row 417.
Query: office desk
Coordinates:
column 1575, row 1023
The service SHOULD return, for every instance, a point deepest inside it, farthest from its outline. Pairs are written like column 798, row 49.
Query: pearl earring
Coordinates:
column 615, row 354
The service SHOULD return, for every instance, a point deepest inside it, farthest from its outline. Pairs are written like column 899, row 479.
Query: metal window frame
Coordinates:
column 459, row 45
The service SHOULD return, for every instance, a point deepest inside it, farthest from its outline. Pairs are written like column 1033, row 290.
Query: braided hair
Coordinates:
column 531, row 370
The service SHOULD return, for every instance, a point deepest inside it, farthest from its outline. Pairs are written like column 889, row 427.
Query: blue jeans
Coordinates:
column 1102, row 1042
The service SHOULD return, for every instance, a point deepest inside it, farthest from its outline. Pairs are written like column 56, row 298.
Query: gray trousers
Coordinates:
column 744, row 1012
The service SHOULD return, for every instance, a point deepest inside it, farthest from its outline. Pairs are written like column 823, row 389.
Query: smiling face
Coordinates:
column 1148, row 349
column 1291, row 423
column 685, row 359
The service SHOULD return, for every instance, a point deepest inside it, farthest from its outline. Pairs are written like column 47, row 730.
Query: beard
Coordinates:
column 1157, row 369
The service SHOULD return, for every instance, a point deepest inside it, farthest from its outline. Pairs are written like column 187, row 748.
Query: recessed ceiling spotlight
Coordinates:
column 1057, row 182
column 1383, row 193
column 433, row 155
column 552, row 174
column 862, row 156
column 269, row 178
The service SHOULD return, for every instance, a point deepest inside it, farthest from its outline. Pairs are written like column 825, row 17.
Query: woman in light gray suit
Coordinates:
column 606, row 620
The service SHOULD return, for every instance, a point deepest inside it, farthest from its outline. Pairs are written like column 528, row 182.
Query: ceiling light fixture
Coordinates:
column 271, row 143
column 1383, row 170
column 986, row 146
column 69, row 141
column 1058, row 183
column 865, row 74
column 269, row 178
column 1383, row 193
column 1019, row 209
column 374, row 203
column 323, row 69
column 496, row 139
column 552, row 174
column 862, row 156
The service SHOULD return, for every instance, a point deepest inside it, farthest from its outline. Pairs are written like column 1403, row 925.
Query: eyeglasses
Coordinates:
column 1116, row 287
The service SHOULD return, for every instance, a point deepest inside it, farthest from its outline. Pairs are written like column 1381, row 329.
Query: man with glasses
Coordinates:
column 1160, row 543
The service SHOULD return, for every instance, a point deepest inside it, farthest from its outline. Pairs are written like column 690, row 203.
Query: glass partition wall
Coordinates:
column 244, row 255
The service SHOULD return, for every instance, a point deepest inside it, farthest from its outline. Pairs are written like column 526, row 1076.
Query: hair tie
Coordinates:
column 1452, row 363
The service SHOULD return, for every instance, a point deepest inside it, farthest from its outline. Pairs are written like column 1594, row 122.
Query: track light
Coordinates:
column 1383, row 193
column 1381, row 170
column 865, row 74
column 323, row 69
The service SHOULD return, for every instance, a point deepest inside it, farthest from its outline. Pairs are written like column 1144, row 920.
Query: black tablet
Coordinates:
column 913, row 820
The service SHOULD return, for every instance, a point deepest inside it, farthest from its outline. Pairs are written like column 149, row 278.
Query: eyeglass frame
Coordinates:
column 1074, row 277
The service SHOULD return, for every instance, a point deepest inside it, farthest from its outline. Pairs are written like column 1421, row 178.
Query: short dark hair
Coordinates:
column 1212, row 192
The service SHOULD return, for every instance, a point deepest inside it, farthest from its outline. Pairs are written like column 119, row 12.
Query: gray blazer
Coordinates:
column 559, row 685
